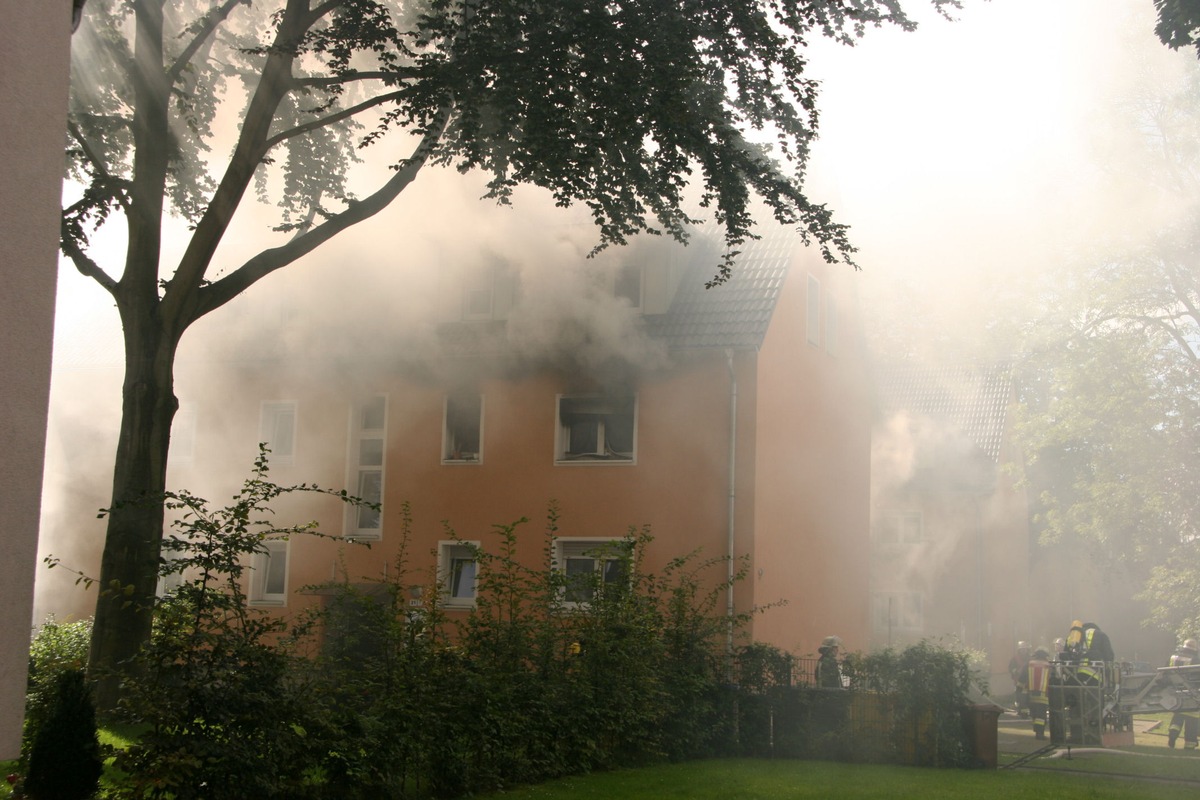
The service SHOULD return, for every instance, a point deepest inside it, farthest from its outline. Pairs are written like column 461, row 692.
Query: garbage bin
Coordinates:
column 982, row 722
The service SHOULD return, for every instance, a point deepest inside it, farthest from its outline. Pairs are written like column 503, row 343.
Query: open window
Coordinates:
column 367, row 439
column 596, row 429
column 463, row 428
column 591, row 566
column 268, row 575
column 458, row 569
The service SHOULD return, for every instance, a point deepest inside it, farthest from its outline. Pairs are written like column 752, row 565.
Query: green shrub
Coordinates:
column 55, row 648
column 529, row 684
column 929, row 685
column 220, row 696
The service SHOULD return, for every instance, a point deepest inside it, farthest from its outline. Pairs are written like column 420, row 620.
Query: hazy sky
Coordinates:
column 963, row 155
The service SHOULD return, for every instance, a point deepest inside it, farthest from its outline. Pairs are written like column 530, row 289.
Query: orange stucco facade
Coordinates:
column 758, row 450
column 794, row 416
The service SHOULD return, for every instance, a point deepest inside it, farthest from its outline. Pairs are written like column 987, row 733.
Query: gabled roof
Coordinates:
column 736, row 313
column 974, row 399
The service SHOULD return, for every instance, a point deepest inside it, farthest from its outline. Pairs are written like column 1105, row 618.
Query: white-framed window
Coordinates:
column 831, row 329
column 277, row 428
column 462, row 429
column 900, row 527
column 458, row 569
column 627, row 284
column 182, row 451
column 898, row 611
column 596, row 428
column 268, row 574
column 813, row 313
column 368, row 437
column 591, row 565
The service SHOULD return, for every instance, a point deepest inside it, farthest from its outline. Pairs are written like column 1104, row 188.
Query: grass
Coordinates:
column 1087, row 775
column 1148, row 757
column 745, row 779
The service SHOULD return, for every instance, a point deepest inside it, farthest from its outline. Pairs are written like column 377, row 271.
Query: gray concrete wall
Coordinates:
column 34, row 74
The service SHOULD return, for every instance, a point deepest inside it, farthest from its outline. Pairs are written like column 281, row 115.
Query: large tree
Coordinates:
column 1111, row 391
column 618, row 105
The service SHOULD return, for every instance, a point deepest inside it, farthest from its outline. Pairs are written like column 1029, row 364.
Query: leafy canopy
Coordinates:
column 615, row 105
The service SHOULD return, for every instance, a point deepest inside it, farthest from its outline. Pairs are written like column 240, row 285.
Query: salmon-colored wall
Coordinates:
column 800, row 499
column 678, row 485
column 813, row 457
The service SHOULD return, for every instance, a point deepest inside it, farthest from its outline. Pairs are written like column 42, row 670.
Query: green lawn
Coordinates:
column 1087, row 775
column 1148, row 757
column 745, row 779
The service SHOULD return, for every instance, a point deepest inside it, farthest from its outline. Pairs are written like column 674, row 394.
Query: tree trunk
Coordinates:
column 129, row 567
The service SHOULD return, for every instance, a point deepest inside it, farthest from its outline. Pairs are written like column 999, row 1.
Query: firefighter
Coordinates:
column 1074, row 645
column 1037, row 684
column 1096, row 671
column 1188, row 723
column 1058, row 730
column 1071, row 684
column 829, row 673
column 1018, row 671
column 1096, row 645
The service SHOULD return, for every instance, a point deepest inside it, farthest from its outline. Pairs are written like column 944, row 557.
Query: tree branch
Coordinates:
column 94, row 159
column 179, row 297
column 307, row 127
column 206, row 28
column 1173, row 332
column 216, row 294
column 390, row 76
column 84, row 263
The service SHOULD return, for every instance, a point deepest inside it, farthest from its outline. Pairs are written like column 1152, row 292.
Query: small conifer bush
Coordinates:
column 64, row 753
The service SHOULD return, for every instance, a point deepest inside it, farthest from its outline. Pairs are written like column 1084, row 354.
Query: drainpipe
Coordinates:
column 732, row 499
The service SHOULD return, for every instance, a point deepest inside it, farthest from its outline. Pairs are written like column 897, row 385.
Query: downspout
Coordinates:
column 731, row 553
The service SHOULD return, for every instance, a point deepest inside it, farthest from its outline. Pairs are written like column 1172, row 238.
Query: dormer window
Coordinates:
column 596, row 429
column 479, row 295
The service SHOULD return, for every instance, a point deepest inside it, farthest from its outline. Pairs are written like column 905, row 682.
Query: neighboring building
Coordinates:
column 730, row 420
column 950, row 554
column 34, row 70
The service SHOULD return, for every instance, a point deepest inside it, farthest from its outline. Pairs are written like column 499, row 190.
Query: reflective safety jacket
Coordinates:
column 1039, row 680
